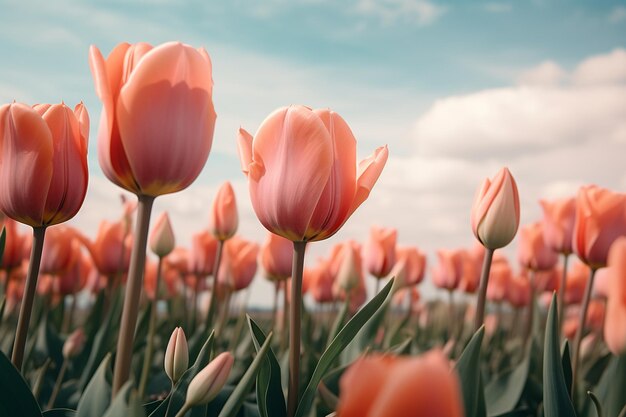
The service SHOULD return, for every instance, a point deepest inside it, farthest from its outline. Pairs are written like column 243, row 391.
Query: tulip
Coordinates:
column 322, row 280
column 533, row 252
column 162, row 240
column 558, row 220
column 176, row 355
column 60, row 250
column 614, row 330
column 350, row 273
column 275, row 257
column 518, row 291
column 409, row 268
column 43, row 180
column 74, row 279
column 499, row 277
column 471, row 261
column 205, row 386
column 576, row 283
column 74, row 343
column 390, row 386
column 16, row 245
column 495, row 219
column 304, row 184
column 600, row 220
column 447, row 273
column 223, row 219
column 202, row 254
column 240, row 263
column 110, row 251
column 379, row 251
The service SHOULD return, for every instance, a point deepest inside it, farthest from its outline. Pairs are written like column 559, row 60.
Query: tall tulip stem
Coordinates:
column 482, row 292
column 216, row 268
column 26, row 308
column 294, row 326
column 561, row 295
column 581, row 329
column 132, row 295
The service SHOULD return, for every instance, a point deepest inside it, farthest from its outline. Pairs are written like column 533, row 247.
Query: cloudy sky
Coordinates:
column 455, row 90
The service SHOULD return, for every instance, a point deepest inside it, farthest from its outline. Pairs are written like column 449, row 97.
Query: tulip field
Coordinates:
column 128, row 322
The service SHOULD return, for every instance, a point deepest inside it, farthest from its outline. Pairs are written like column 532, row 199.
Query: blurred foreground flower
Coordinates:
column 614, row 328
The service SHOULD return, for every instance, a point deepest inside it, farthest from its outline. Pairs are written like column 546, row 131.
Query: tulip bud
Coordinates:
column 495, row 212
column 74, row 343
column 162, row 240
column 614, row 329
column 223, row 220
column 176, row 355
column 205, row 386
column 350, row 273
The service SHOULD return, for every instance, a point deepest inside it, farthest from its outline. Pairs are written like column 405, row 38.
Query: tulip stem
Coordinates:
column 213, row 304
column 294, row 326
column 147, row 359
column 283, row 317
column 580, row 331
column 451, row 315
column 561, row 295
column 26, row 308
column 132, row 295
column 57, row 384
column 482, row 292
column 275, row 307
column 183, row 411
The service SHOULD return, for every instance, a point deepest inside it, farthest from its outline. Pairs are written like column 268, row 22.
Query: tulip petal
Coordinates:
column 166, row 118
column 244, row 147
column 292, row 161
column 25, row 163
column 369, row 170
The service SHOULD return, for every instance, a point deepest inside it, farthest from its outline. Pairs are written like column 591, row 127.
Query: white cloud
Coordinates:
column 420, row 12
column 498, row 7
column 618, row 14
column 546, row 73
column 602, row 69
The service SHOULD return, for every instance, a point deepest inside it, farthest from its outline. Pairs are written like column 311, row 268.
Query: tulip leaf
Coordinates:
column 119, row 406
column 236, row 399
column 3, row 242
column 338, row 323
column 59, row 412
column 616, row 399
column 343, row 338
column 176, row 399
column 269, row 391
column 567, row 365
column 556, row 400
column 596, row 403
column 16, row 399
column 468, row 367
column 97, row 396
column 48, row 343
column 504, row 392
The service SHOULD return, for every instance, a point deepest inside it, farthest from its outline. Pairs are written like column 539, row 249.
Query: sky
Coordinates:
column 455, row 89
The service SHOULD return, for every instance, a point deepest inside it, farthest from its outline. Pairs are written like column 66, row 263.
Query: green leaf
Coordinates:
column 16, row 400
column 566, row 361
column 269, row 391
column 97, row 396
column 403, row 348
column 48, row 343
column 59, row 412
column 556, row 400
column 504, row 392
column 338, row 323
column 105, row 338
column 616, row 397
column 468, row 367
column 176, row 399
column 344, row 337
column 236, row 399
column 596, row 403
column 119, row 406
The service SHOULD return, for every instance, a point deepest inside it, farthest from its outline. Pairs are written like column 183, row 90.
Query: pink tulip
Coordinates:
column 239, row 263
column 614, row 329
column 75, row 279
column 472, row 263
column 157, row 121
column 448, row 271
column 162, row 239
column 276, row 257
column 379, row 251
column 202, row 254
column 495, row 212
column 43, row 162
column 577, row 277
column 533, row 252
column 16, row 245
column 558, row 219
column 110, row 250
column 321, row 282
column 350, row 272
column 61, row 250
column 410, row 266
column 302, row 172
column 600, row 219
column 499, row 277
column 224, row 219
column 518, row 291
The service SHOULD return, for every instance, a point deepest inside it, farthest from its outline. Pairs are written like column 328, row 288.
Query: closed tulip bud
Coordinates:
column 350, row 272
column 495, row 212
column 380, row 251
column 409, row 268
column 533, row 252
column 223, row 218
column 600, row 219
column 74, row 343
column 449, row 270
column 558, row 219
column 162, row 240
column 176, row 355
column 614, row 329
column 302, row 172
column 276, row 257
column 205, row 386
column 110, row 250
column 203, row 252
column 43, row 162
column 239, row 263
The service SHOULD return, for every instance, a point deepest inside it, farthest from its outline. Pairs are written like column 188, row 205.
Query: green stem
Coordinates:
column 580, row 331
column 26, row 308
column 147, row 359
column 57, row 384
column 482, row 294
column 283, row 318
column 561, row 294
column 132, row 295
column 183, row 411
column 216, row 268
column 294, row 326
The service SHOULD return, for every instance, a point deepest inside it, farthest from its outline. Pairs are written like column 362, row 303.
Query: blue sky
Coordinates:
column 456, row 89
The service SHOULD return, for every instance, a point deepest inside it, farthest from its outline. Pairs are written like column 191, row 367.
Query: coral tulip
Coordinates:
column 600, row 219
column 577, row 277
column 558, row 219
column 74, row 279
column 302, row 172
column 499, row 277
column 518, row 291
column 533, row 252
column 110, row 250
column 447, row 272
column 379, row 252
column 496, row 212
column 16, row 245
column 322, row 280
column 223, row 218
column 59, row 251
column 614, row 329
column 410, row 266
column 157, row 122
column 202, row 254
column 350, row 272
column 240, row 263
column 390, row 386
column 276, row 257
